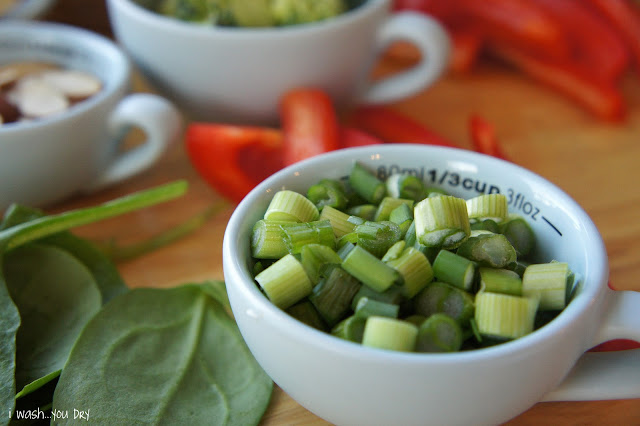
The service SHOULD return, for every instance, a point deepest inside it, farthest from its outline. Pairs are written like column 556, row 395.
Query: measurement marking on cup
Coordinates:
column 552, row 225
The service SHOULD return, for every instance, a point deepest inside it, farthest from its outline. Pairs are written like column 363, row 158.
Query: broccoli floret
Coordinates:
column 292, row 12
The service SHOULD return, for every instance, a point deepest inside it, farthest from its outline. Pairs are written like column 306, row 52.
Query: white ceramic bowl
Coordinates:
column 348, row 384
column 239, row 74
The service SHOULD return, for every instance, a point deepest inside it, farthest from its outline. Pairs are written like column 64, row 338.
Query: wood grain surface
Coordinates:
column 597, row 163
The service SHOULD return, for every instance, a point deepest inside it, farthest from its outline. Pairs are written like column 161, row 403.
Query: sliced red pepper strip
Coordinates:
column 518, row 23
column 393, row 127
column 233, row 159
column 351, row 137
column 483, row 137
column 625, row 17
column 467, row 43
column 602, row 99
column 309, row 124
column 616, row 345
column 595, row 43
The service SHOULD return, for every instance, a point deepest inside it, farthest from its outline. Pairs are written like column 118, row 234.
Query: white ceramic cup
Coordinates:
column 239, row 74
column 348, row 384
column 46, row 160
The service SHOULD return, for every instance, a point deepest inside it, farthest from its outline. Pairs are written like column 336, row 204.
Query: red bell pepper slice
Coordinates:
column 467, row 44
column 309, row 124
column 351, row 137
column 625, row 17
column 233, row 159
column 518, row 23
column 484, row 138
column 392, row 127
column 596, row 45
column 602, row 99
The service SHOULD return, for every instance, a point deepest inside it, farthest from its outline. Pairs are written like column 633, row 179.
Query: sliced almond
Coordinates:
column 37, row 98
column 77, row 85
column 9, row 74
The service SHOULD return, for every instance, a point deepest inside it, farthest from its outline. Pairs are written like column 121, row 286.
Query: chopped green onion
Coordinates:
column 454, row 269
column 548, row 282
column 350, row 328
column 485, row 225
column 403, row 185
column 327, row 192
column 377, row 237
column 370, row 307
column 415, row 269
column 364, row 211
column 305, row 312
column 441, row 221
column 387, row 205
column 390, row 333
column 439, row 333
column 366, row 184
column 292, row 207
column 501, row 281
column 392, row 295
column 314, row 257
column 488, row 206
column 369, row 269
column 394, row 251
column 285, row 282
column 488, row 249
column 439, row 297
column 401, row 214
column 338, row 219
column 297, row 235
column 332, row 295
column 517, row 230
column 504, row 316
column 267, row 240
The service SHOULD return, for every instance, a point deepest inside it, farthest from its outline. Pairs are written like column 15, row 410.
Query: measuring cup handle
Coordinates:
column 433, row 42
column 608, row 375
column 157, row 118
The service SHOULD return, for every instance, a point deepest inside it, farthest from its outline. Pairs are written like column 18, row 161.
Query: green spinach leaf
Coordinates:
column 9, row 323
column 56, row 295
column 164, row 356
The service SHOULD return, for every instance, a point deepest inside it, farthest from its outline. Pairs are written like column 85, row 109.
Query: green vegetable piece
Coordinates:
column 402, row 185
column 439, row 333
column 314, row 257
column 439, row 297
column 488, row 249
column 297, row 235
column 255, row 13
column 291, row 206
column 55, row 300
column 387, row 205
column 328, row 192
column 504, row 316
column 453, row 269
column 305, row 312
column 186, row 10
column 390, row 333
column 164, row 356
column 377, row 237
column 485, row 225
column 488, row 206
column 285, row 282
column 366, row 184
column 501, row 281
column 364, row 211
column 267, row 240
column 339, row 221
column 393, row 295
column 370, row 307
column 350, row 328
column 547, row 282
column 441, row 221
column 415, row 269
column 332, row 295
column 370, row 270
column 520, row 235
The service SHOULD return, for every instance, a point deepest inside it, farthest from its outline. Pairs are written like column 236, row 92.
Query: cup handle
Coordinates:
column 608, row 375
column 433, row 42
column 157, row 118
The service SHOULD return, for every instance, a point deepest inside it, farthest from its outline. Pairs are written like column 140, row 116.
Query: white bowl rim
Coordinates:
column 287, row 324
